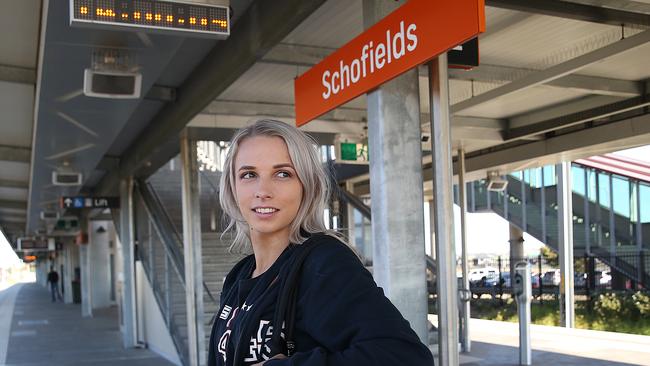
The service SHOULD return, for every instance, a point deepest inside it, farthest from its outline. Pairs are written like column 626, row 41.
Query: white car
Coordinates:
column 476, row 274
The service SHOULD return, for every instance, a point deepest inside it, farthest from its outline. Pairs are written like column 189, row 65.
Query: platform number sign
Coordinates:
column 153, row 15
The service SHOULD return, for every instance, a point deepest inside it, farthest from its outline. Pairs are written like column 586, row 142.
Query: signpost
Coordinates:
column 79, row 202
column 413, row 34
column 418, row 32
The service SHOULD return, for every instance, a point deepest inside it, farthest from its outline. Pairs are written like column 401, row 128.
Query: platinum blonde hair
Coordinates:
column 311, row 173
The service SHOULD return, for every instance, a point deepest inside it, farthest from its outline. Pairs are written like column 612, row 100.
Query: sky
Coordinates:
column 8, row 257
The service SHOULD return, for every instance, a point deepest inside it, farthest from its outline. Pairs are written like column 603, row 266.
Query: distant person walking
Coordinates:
column 53, row 280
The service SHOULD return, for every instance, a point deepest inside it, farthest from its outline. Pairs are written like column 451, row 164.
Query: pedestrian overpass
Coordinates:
column 557, row 82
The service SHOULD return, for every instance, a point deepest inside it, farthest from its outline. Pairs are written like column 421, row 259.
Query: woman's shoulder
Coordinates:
column 330, row 254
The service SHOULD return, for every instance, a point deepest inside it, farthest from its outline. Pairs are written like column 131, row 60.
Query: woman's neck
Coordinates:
column 267, row 249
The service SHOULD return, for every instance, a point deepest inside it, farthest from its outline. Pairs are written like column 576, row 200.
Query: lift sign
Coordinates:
column 152, row 15
column 411, row 35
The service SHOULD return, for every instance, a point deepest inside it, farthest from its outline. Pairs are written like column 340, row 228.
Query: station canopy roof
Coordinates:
column 557, row 80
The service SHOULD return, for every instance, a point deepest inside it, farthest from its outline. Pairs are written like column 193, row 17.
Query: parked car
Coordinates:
column 476, row 274
column 551, row 278
column 534, row 280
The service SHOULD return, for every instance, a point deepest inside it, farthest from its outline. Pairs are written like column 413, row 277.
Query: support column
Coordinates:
column 69, row 272
column 516, row 247
column 565, row 244
column 444, row 212
column 465, row 306
column 192, row 251
column 396, row 185
column 129, row 335
column 86, row 293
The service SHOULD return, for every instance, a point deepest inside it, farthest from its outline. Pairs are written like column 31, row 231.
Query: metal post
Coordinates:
column 128, row 258
column 543, row 209
column 524, row 198
column 612, row 224
column 462, row 201
column 523, row 295
column 192, row 251
column 539, row 276
column 639, row 235
column 565, row 244
column 168, row 292
column 586, row 209
column 444, row 214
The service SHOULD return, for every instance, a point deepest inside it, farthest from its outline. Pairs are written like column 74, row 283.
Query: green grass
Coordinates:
column 547, row 313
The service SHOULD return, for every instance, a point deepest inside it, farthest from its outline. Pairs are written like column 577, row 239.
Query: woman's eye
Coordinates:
column 283, row 174
column 247, row 175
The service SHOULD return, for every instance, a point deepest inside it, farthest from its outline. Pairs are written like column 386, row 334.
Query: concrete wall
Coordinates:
column 151, row 324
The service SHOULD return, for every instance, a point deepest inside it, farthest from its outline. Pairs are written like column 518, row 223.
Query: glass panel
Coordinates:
column 621, row 205
column 621, row 190
column 593, row 192
column 644, row 201
column 480, row 195
column 534, row 206
column 603, row 189
column 578, row 180
column 549, row 175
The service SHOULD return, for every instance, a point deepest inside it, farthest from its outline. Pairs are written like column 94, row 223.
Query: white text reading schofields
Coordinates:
column 372, row 58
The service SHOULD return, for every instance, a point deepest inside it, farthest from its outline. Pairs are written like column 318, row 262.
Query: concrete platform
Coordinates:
column 39, row 332
column 497, row 343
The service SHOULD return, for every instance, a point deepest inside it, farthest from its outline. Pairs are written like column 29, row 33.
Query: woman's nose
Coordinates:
column 263, row 190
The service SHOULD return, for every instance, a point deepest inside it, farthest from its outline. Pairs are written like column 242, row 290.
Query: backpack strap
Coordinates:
column 285, row 309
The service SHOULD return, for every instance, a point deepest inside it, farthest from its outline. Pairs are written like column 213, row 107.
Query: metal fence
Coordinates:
column 492, row 275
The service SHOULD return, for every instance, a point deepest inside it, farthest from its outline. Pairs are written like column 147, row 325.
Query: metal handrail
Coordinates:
column 163, row 224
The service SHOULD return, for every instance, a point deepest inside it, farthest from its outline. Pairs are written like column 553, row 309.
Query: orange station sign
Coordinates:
column 411, row 35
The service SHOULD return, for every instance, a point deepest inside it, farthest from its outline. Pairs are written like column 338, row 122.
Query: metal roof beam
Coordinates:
column 308, row 56
column 18, row 205
column 578, row 117
column 588, row 84
column 555, row 72
column 13, row 219
column 15, row 74
column 262, row 26
column 15, row 153
column 7, row 183
column 633, row 130
column 280, row 110
column 575, row 11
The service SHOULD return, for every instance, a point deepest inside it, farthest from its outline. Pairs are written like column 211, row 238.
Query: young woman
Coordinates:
column 273, row 190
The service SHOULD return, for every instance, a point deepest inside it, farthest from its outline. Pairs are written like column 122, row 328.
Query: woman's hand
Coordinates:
column 276, row 357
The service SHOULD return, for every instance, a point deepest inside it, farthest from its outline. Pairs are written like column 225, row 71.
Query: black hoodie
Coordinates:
column 342, row 317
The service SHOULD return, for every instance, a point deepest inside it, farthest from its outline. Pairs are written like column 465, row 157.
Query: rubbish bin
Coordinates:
column 76, row 292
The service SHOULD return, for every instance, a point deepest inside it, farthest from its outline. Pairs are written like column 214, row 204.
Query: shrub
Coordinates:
column 642, row 303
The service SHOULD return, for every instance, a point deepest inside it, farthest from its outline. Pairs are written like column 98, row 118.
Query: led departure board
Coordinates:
column 152, row 15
